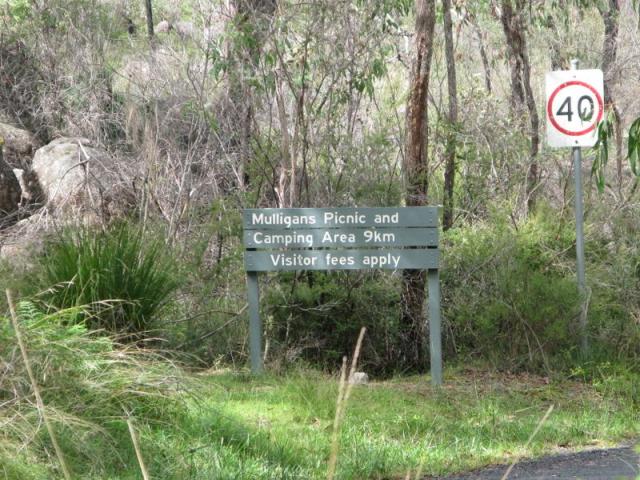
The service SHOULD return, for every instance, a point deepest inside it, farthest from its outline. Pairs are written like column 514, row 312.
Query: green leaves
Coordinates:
column 123, row 276
column 605, row 133
column 19, row 10
column 633, row 146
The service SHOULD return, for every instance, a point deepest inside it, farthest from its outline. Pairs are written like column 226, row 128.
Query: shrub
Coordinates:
column 89, row 385
column 510, row 294
column 126, row 276
column 613, row 276
column 316, row 317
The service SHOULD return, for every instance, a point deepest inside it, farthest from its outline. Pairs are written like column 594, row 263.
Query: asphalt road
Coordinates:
column 610, row 464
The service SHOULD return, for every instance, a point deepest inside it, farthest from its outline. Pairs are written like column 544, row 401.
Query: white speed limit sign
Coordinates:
column 574, row 107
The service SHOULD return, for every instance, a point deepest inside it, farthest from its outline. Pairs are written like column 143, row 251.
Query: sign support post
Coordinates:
column 577, row 172
column 255, row 324
column 575, row 106
column 435, row 334
column 388, row 238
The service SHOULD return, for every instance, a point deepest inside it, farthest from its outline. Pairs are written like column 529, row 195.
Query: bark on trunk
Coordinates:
column 611, row 17
column 521, row 92
column 415, row 171
column 512, row 32
column 483, row 56
column 450, row 149
column 149, row 11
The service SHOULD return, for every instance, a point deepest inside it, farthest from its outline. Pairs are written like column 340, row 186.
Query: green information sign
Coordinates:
column 341, row 260
column 342, row 239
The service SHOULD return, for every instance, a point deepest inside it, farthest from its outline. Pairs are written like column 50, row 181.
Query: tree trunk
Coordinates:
column 450, row 149
column 483, row 55
column 557, row 61
column 512, row 32
column 149, row 10
column 521, row 92
column 611, row 17
column 248, row 20
column 415, row 172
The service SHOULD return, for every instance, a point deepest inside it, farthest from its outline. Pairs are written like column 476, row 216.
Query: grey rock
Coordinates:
column 78, row 180
column 163, row 27
column 31, row 193
column 359, row 378
column 185, row 29
column 19, row 144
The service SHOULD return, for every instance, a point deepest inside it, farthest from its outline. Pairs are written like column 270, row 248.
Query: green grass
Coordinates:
column 230, row 425
column 280, row 427
column 122, row 275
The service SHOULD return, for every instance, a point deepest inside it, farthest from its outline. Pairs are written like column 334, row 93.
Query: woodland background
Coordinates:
column 203, row 108
column 135, row 132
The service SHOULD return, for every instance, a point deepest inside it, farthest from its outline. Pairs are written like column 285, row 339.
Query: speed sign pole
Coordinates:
column 582, row 283
column 575, row 106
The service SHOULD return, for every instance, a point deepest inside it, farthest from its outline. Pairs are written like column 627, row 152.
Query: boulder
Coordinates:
column 22, row 242
column 162, row 27
column 359, row 378
column 19, row 144
column 150, row 77
column 78, row 180
column 185, row 30
column 9, row 190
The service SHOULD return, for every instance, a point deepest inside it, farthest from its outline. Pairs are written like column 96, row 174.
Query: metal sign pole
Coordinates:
column 255, row 324
column 577, row 172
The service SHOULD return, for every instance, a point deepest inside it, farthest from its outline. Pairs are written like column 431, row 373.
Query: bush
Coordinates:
column 316, row 317
column 126, row 276
column 613, row 276
column 510, row 294
column 89, row 385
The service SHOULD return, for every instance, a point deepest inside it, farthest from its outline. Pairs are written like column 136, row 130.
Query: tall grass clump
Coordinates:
column 90, row 387
column 124, row 275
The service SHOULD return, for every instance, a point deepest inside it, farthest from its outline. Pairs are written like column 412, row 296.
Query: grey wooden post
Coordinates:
column 435, row 335
column 255, row 324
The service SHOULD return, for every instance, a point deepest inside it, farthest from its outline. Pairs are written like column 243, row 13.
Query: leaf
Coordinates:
column 633, row 146
column 605, row 132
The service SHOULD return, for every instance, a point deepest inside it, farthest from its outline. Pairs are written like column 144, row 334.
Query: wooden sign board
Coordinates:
column 342, row 239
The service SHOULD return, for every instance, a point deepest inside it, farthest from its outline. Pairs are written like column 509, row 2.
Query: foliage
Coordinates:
column 89, row 385
column 124, row 275
column 633, row 147
column 613, row 274
column 605, row 134
column 316, row 317
column 200, row 123
column 509, row 295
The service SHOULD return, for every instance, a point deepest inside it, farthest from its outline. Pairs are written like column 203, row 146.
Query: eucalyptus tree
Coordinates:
column 416, row 165
column 149, row 14
column 250, row 27
column 610, row 13
column 452, row 89
column 511, row 17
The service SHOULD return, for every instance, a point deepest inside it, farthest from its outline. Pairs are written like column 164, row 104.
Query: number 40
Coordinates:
column 585, row 107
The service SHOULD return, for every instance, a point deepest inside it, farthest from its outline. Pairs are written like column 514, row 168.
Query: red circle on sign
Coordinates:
column 564, row 130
